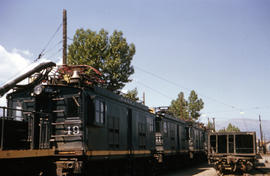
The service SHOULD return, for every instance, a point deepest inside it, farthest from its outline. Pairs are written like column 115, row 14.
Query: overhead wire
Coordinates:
column 69, row 38
column 41, row 54
column 53, row 47
column 45, row 47
column 183, row 87
column 243, row 109
column 56, row 53
column 155, row 90
column 234, row 108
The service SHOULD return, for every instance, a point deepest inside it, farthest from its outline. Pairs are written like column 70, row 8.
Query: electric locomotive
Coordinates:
column 63, row 123
column 63, row 116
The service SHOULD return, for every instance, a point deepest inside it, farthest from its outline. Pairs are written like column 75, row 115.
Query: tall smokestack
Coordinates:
column 64, row 37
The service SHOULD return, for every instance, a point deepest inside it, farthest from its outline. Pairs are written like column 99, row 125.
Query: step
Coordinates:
column 59, row 111
column 67, row 122
column 66, row 135
column 58, row 99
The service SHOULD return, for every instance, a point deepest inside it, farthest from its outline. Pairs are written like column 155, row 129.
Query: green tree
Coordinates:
column 111, row 55
column 210, row 125
column 230, row 128
column 194, row 105
column 222, row 130
column 132, row 94
column 179, row 107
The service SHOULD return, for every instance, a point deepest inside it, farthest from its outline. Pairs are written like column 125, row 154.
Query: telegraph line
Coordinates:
column 234, row 108
column 178, row 85
column 53, row 47
column 244, row 109
column 45, row 47
column 69, row 38
column 41, row 54
column 55, row 53
column 157, row 91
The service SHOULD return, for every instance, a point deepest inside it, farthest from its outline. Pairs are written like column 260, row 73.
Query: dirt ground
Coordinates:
column 203, row 169
column 206, row 170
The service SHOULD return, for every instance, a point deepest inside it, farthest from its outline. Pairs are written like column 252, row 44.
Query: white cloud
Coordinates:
column 25, row 53
column 15, row 63
column 11, row 64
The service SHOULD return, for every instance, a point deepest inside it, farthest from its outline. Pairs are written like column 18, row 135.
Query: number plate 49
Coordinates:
column 73, row 130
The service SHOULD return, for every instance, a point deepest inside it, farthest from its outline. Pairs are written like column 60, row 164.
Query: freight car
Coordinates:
column 63, row 123
column 232, row 151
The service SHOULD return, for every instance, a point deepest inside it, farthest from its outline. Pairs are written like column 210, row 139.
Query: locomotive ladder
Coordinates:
column 60, row 113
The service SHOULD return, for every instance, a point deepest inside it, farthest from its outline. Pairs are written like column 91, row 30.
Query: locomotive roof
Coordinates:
column 120, row 98
column 189, row 123
column 170, row 117
column 98, row 90
column 232, row 133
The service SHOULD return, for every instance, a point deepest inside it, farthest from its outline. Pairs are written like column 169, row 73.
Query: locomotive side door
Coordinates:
column 129, row 130
column 42, row 125
column 178, row 137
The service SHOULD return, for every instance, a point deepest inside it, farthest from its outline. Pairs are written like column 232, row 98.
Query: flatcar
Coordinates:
column 232, row 151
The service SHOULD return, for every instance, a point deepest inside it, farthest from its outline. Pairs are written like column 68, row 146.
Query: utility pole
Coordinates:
column 214, row 124
column 64, row 37
column 261, row 130
column 143, row 98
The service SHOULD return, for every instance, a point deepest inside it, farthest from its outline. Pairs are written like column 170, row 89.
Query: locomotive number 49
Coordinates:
column 73, row 130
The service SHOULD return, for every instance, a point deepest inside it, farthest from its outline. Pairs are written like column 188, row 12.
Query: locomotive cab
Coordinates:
column 52, row 115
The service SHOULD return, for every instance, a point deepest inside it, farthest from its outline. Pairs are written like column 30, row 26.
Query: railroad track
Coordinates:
column 264, row 171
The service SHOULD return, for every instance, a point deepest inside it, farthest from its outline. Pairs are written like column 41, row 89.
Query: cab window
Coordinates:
column 100, row 112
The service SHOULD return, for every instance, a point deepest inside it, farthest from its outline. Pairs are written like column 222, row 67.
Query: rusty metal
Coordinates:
column 68, row 166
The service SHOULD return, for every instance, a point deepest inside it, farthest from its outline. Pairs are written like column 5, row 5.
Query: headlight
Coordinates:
column 38, row 89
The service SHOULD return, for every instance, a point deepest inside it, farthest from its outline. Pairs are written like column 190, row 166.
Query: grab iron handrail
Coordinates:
column 10, row 116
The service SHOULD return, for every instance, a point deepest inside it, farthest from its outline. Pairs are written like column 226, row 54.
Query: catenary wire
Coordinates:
column 45, row 47
column 55, row 53
column 157, row 91
column 234, row 108
column 178, row 85
column 53, row 47
column 39, row 56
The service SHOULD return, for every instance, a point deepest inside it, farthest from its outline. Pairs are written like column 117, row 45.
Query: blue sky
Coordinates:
column 220, row 48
